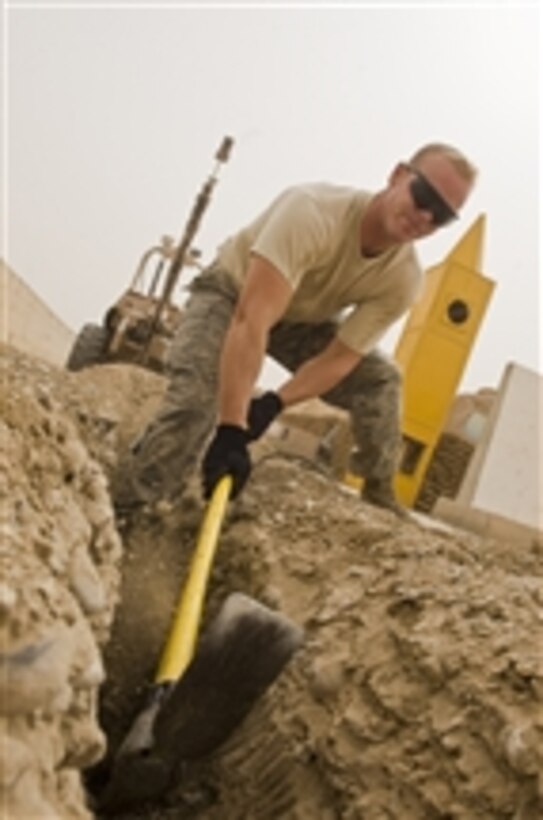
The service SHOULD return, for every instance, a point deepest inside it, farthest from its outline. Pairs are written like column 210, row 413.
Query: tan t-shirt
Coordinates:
column 310, row 233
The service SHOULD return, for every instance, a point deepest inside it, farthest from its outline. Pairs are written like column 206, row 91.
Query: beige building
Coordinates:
column 501, row 493
column 28, row 324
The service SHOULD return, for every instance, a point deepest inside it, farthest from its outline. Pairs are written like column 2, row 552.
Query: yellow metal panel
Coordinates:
column 433, row 350
column 461, row 286
column 469, row 250
column 423, row 306
column 434, row 371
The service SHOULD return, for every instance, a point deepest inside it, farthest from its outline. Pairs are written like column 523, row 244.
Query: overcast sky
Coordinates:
column 112, row 114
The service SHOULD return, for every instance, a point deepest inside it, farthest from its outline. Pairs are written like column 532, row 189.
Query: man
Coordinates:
column 314, row 281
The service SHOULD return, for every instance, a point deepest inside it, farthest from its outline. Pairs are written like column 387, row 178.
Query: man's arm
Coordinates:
column 319, row 374
column 262, row 301
column 314, row 378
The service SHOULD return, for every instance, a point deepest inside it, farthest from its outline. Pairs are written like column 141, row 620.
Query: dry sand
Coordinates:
column 417, row 694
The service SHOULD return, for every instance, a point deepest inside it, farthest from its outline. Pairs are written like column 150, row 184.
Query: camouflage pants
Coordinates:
column 167, row 452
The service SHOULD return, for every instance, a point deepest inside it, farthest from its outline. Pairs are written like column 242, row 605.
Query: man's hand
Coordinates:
column 262, row 411
column 226, row 455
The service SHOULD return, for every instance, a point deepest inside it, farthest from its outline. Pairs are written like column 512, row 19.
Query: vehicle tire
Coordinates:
column 89, row 347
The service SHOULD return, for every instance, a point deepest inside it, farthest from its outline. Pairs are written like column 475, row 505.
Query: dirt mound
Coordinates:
column 417, row 694
column 59, row 565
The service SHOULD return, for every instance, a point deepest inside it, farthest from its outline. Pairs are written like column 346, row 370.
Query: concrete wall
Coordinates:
column 506, row 471
column 28, row 324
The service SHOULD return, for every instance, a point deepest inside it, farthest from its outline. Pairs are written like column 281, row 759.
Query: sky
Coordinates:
column 112, row 112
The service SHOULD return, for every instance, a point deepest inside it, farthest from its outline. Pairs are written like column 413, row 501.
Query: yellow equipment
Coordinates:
column 433, row 350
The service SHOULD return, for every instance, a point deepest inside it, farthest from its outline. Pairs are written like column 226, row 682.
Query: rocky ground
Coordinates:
column 417, row 693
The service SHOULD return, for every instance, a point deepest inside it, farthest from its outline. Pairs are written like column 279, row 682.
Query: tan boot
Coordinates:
column 379, row 492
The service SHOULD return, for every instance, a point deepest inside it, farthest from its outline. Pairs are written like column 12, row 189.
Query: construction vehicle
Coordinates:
column 139, row 327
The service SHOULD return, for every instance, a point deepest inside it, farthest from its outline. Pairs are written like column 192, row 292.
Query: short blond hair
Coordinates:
column 461, row 163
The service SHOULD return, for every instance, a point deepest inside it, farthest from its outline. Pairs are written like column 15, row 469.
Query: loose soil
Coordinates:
column 417, row 693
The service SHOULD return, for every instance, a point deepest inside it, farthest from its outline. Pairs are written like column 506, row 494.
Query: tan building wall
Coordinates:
column 504, row 476
column 501, row 495
column 28, row 324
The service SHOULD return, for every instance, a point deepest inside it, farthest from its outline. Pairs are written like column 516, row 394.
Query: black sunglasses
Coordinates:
column 426, row 198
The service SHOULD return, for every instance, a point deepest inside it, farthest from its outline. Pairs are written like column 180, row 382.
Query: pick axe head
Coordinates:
column 238, row 658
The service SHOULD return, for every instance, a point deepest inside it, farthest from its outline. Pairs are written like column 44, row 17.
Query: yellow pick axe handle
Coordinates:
column 181, row 642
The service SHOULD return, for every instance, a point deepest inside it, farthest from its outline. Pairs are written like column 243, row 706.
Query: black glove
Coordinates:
column 262, row 411
column 226, row 455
